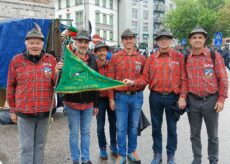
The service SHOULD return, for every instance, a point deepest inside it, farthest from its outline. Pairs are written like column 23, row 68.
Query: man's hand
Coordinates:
column 95, row 111
column 58, row 66
column 112, row 104
column 219, row 106
column 13, row 117
column 128, row 82
column 181, row 103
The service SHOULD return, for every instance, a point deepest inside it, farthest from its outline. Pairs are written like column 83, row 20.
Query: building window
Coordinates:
column 134, row 13
column 97, row 2
column 78, row 2
column 111, row 20
column 145, row 15
column 67, row 3
column 59, row 4
column 79, row 16
column 97, row 15
column 111, row 35
column 104, row 35
column 104, row 3
column 111, row 4
column 104, row 19
column 145, row 27
column 134, row 26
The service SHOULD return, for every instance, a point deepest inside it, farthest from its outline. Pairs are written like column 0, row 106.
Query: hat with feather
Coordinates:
column 35, row 33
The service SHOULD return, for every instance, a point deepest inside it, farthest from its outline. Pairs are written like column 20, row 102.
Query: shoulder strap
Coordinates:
column 213, row 55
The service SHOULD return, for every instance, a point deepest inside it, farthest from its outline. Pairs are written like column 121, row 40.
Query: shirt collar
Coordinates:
column 202, row 52
column 133, row 53
column 158, row 54
column 100, row 64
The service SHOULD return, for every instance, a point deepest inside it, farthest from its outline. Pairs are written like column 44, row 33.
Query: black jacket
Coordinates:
column 88, row 96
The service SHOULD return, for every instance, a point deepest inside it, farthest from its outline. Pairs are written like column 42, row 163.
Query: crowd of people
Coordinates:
column 197, row 83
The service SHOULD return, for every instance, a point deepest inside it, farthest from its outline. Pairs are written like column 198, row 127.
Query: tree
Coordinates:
column 189, row 13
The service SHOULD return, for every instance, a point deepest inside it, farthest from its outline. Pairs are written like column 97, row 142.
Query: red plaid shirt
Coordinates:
column 103, row 69
column 204, row 78
column 165, row 73
column 123, row 66
column 30, row 86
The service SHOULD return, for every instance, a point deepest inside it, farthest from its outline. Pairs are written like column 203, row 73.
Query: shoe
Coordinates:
column 120, row 160
column 76, row 162
column 171, row 160
column 114, row 150
column 103, row 154
column 134, row 158
column 87, row 162
column 196, row 161
column 211, row 161
column 157, row 159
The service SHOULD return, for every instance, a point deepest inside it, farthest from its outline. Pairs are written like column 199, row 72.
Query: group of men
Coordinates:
column 197, row 82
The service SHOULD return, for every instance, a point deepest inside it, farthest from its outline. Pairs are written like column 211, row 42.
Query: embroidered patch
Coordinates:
column 208, row 72
column 47, row 71
column 175, row 62
column 138, row 66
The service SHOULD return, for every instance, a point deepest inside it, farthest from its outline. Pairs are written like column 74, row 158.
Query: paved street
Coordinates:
column 57, row 148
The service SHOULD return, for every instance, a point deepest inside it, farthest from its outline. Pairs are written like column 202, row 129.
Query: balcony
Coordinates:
column 159, row 8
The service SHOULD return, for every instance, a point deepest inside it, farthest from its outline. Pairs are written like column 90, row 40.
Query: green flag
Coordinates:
column 79, row 77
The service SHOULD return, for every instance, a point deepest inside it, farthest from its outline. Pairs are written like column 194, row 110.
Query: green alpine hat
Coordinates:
column 35, row 33
column 83, row 34
column 127, row 33
column 100, row 45
column 198, row 29
column 164, row 32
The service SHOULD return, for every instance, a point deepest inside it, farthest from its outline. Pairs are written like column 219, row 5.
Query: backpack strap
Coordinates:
column 213, row 55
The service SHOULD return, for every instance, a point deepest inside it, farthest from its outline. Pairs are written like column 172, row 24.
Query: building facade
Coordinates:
column 137, row 15
column 100, row 14
column 26, row 8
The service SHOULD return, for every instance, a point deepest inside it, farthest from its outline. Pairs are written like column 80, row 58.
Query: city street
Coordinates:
column 57, row 147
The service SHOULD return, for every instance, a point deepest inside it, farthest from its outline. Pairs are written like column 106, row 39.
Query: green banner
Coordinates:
column 79, row 77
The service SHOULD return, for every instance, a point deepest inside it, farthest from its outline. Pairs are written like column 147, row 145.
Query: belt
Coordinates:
column 201, row 97
column 163, row 93
column 129, row 92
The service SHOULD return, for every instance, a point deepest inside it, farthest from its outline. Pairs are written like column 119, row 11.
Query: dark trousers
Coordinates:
column 158, row 103
column 203, row 109
column 103, row 107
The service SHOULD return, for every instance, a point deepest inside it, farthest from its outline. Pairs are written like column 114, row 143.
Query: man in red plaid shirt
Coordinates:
column 105, row 103
column 208, row 89
column 31, row 78
column 127, row 63
column 164, row 71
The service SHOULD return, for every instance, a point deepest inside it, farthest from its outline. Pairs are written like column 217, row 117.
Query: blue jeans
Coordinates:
column 128, row 109
column 79, row 120
column 158, row 103
column 103, row 106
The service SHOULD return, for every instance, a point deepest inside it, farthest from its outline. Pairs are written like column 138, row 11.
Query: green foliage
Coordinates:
column 212, row 15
